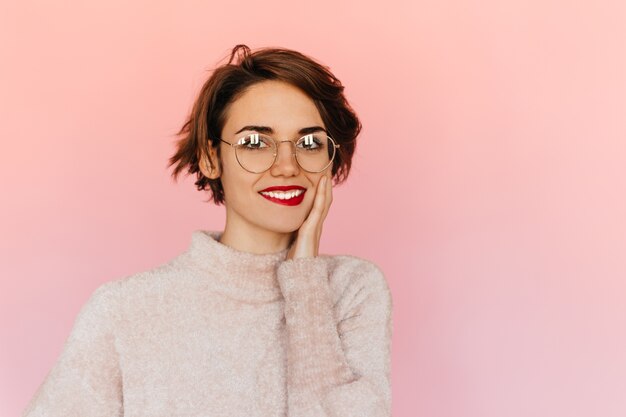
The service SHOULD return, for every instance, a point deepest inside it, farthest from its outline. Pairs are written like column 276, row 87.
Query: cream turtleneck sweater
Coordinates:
column 221, row 332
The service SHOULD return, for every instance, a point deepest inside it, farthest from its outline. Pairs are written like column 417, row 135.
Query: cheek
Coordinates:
column 238, row 186
column 313, row 181
column 230, row 188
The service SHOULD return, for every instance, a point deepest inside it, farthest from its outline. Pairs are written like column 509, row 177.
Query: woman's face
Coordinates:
column 285, row 110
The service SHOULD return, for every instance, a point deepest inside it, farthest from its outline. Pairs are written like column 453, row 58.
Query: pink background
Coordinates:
column 489, row 183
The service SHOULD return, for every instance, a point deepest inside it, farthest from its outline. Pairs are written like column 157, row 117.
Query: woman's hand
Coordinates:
column 307, row 238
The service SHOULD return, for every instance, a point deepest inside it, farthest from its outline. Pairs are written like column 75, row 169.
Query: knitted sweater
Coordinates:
column 221, row 332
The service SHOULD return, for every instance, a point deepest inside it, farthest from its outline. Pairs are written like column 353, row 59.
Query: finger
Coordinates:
column 328, row 197
column 318, row 204
column 320, row 200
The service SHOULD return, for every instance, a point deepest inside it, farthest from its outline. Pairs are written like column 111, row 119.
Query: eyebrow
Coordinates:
column 269, row 130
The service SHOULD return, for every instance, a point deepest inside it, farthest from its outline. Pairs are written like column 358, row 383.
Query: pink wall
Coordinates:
column 489, row 184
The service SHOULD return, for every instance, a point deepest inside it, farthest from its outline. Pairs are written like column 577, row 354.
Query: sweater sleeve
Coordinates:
column 86, row 380
column 337, row 366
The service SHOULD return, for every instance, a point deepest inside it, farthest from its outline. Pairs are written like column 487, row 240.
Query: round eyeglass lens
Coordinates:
column 315, row 151
column 255, row 152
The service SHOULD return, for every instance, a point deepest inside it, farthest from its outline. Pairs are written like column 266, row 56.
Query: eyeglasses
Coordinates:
column 257, row 153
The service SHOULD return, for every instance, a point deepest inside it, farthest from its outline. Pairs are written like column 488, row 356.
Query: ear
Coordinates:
column 209, row 171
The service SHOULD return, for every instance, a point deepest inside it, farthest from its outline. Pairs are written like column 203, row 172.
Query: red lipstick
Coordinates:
column 294, row 201
column 284, row 188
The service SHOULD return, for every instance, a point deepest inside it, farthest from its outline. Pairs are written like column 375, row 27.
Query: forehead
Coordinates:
column 277, row 104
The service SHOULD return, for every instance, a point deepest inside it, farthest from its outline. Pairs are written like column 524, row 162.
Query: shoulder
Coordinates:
column 358, row 271
column 152, row 284
column 152, row 278
column 117, row 305
column 98, row 314
column 356, row 281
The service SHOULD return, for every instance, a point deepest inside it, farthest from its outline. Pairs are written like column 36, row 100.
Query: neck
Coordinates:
column 247, row 238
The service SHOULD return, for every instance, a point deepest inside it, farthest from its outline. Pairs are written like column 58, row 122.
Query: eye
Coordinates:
column 312, row 142
column 255, row 141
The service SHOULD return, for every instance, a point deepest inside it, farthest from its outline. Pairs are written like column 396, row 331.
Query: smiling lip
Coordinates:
column 288, row 202
column 284, row 188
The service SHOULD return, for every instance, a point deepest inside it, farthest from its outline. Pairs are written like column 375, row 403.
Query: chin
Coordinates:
column 283, row 227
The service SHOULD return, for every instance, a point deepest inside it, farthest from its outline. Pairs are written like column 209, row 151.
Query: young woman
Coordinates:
column 251, row 320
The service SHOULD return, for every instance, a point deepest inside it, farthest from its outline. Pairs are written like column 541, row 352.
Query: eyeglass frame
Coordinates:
column 277, row 143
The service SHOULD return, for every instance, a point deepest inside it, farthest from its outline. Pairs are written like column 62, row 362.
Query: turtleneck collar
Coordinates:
column 242, row 274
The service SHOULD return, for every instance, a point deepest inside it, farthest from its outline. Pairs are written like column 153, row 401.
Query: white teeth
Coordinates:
column 283, row 195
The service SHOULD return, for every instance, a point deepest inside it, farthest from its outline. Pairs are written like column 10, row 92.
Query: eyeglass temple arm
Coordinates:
column 225, row 141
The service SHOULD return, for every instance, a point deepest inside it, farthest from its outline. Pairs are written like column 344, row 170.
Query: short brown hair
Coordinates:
column 229, row 81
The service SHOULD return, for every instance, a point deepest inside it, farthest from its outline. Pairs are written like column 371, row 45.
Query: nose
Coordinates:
column 285, row 163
